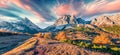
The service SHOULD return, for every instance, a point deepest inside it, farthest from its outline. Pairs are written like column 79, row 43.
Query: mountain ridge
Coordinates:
column 106, row 20
column 24, row 25
column 65, row 22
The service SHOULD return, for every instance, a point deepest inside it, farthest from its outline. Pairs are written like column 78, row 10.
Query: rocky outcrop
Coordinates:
column 106, row 20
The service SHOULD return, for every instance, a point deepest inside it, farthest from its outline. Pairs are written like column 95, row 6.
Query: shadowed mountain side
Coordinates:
column 23, row 25
column 11, row 41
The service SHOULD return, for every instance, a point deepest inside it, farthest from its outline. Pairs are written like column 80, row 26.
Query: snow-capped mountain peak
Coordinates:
column 24, row 25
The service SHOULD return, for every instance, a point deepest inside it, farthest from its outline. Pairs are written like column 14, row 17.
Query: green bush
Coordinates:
column 74, row 42
column 99, row 46
column 69, row 41
column 79, row 28
column 84, row 44
column 63, row 40
column 115, row 49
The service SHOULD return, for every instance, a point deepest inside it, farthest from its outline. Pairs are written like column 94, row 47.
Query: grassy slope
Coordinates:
column 114, row 29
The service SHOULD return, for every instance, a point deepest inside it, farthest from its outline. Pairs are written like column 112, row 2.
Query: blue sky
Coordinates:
column 44, row 12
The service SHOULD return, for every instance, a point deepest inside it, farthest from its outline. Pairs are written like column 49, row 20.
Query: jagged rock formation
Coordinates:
column 107, row 20
column 66, row 19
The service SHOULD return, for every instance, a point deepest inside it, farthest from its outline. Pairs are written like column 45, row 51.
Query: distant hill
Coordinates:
column 106, row 20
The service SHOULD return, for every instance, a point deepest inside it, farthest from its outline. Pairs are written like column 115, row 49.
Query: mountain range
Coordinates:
column 64, row 22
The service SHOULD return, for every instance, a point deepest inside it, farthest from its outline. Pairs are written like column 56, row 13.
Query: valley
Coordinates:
column 68, row 36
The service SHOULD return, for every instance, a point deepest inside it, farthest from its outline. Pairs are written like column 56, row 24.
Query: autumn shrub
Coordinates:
column 48, row 35
column 61, row 36
column 102, row 39
column 39, row 35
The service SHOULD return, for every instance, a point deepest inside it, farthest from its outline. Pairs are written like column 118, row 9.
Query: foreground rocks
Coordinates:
column 39, row 46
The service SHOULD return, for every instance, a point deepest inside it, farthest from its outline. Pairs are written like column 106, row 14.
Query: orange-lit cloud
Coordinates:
column 91, row 9
column 18, row 3
column 65, row 9
column 112, row 6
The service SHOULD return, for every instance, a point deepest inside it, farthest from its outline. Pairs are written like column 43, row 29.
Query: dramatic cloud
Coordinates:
column 43, row 11
column 4, row 3
column 94, row 7
column 101, row 7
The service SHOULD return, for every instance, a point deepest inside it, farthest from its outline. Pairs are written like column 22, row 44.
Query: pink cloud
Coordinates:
column 64, row 9
column 112, row 6
column 102, row 6
column 18, row 3
column 4, row 3
column 90, row 9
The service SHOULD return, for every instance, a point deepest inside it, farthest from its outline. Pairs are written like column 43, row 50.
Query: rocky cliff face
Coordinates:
column 66, row 19
column 65, row 22
column 107, row 20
